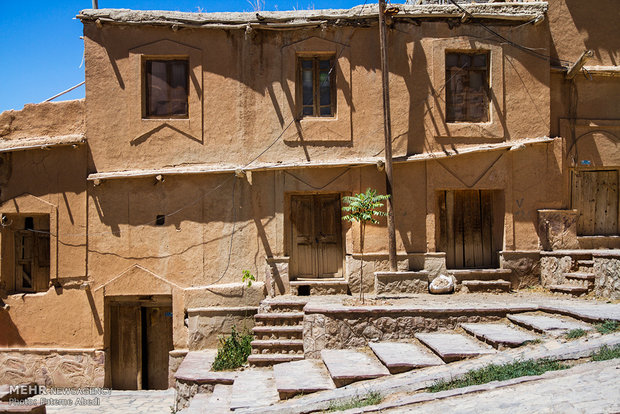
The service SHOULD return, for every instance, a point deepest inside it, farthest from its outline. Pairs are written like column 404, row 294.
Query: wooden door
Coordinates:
column 595, row 196
column 466, row 229
column 316, row 238
column 157, row 334
column 140, row 342
column 125, row 349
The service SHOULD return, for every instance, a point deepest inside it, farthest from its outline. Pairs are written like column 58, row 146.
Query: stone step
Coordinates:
column 196, row 368
column 452, row 346
column 286, row 305
column 481, row 274
column 306, row 287
column 497, row 334
column 254, row 388
column 585, row 263
column 401, row 356
column 278, row 332
column 551, row 325
column 346, row 366
column 293, row 344
column 269, row 359
column 279, row 318
column 8, row 407
column 302, row 377
column 581, row 276
column 396, row 283
column 486, row 285
column 575, row 290
column 217, row 402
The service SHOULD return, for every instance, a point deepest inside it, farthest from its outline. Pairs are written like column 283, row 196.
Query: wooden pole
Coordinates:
column 387, row 130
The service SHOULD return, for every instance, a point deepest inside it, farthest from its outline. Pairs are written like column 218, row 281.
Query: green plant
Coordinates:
column 363, row 208
column 607, row 327
column 248, row 278
column 606, row 353
column 372, row 398
column 233, row 351
column 575, row 333
column 499, row 373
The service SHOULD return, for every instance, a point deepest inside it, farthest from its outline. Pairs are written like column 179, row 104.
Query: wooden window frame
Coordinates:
column 466, row 73
column 145, row 85
column 40, row 260
column 316, row 112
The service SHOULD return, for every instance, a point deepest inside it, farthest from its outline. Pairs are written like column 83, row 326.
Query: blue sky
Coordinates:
column 41, row 50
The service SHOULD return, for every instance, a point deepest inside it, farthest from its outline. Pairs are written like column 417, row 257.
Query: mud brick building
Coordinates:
column 212, row 143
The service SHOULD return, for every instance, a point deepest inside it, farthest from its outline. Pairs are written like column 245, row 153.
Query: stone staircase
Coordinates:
column 579, row 281
column 483, row 280
column 278, row 332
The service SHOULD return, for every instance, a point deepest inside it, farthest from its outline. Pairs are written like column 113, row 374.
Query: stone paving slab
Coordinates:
column 119, row 402
column 400, row 356
column 196, row 367
column 524, row 395
column 219, row 400
column 302, row 377
column 346, row 366
column 254, row 388
column 590, row 312
column 452, row 347
column 412, row 381
column 498, row 334
column 547, row 324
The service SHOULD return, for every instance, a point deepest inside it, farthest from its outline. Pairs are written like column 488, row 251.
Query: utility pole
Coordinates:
column 387, row 130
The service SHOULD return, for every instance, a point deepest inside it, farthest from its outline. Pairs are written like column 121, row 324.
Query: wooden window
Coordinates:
column 316, row 86
column 32, row 255
column 467, row 87
column 166, row 88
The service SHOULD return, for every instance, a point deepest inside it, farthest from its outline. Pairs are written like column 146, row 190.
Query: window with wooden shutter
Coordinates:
column 316, row 86
column 467, row 87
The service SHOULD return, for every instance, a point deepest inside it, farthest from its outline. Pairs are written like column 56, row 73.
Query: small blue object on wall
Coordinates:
column 169, row 314
column 586, row 162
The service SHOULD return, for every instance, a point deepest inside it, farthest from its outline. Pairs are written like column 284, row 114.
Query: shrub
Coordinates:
column 606, row 353
column 575, row 333
column 607, row 327
column 233, row 351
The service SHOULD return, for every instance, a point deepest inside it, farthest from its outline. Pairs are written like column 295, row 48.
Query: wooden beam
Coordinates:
column 576, row 67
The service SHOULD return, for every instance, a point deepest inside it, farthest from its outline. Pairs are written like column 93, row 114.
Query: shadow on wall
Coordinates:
column 9, row 334
column 599, row 36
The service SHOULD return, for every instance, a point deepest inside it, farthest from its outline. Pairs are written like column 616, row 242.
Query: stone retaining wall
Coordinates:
column 52, row 367
column 607, row 270
column 352, row 329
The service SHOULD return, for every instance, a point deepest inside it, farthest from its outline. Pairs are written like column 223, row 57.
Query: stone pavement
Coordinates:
column 120, row 402
column 588, row 388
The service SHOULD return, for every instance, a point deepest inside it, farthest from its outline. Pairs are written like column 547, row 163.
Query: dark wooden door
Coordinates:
column 140, row 342
column 466, row 229
column 595, row 196
column 316, row 236
column 157, row 335
column 125, row 349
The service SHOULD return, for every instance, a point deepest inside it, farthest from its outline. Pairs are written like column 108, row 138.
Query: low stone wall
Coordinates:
column 207, row 324
column 52, row 367
column 396, row 283
column 525, row 266
column 553, row 267
column 607, row 270
column 187, row 389
column 352, row 327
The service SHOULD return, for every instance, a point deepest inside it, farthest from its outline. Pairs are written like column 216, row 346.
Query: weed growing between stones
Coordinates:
column 575, row 333
column 499, row 373
column 606, row 353
column 372, row 398
column 233, row 351
column 607, row 327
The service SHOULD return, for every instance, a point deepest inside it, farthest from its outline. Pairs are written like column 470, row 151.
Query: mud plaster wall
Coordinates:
column 44, row 119
column 248, row 99
column 340, row 331
column 52, row 367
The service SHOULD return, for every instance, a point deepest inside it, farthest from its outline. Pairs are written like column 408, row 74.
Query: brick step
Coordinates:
column 293, row 344
column 279, row 318
column 305, row 287
column 272, row 359
column 278, row 332
column 574, row 290
column 486, row 285
column 481, row 274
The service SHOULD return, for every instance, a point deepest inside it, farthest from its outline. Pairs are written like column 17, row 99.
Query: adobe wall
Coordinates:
column 249, row 90
column 44, row 119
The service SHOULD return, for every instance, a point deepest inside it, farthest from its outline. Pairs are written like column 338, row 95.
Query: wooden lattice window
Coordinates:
column 467, row 86
column 166, row 88
column 316, row 86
